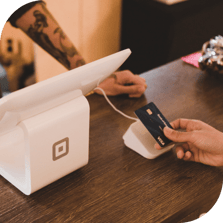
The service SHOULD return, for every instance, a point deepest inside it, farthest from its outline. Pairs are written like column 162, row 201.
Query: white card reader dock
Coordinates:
column 44, row 128
column 138, row 138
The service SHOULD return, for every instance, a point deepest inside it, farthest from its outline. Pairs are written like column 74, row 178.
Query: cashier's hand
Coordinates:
column 123, row 82
column 200, row 143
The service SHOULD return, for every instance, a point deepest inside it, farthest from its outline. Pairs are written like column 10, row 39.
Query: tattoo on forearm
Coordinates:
column 80, row 63
column 70, row 51
column 36, row 32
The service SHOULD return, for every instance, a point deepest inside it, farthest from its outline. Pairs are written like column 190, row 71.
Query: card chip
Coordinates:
column 149, row 111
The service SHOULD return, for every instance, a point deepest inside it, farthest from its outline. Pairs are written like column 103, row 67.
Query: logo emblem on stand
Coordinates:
column 60, row 148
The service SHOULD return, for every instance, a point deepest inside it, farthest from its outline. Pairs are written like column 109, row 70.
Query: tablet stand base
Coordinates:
column 47, row 146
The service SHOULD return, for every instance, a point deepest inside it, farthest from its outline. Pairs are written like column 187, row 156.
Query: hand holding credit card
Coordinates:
column 154, row 121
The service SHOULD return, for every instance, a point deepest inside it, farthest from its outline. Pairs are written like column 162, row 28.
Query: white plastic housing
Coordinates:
column 138, row 138
column 46, row 147
column 44, row 128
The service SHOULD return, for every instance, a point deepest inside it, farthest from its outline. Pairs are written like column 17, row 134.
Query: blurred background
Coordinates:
column 157, row 32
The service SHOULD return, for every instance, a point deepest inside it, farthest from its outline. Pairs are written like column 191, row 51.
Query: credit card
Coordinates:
column 154, row 121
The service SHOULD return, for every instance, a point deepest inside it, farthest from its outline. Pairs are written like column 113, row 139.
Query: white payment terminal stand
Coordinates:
column 44, row 128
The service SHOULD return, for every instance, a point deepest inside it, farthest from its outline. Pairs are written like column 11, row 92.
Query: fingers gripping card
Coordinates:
column 154, row 121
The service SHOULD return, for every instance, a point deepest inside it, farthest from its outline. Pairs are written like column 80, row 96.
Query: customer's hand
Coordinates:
column 123, row 82
column 200, row 143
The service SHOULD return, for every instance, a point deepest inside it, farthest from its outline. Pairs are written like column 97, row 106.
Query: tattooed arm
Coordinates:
column 39, row 25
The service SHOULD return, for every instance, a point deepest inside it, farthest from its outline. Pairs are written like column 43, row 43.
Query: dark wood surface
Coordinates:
column 118, row 185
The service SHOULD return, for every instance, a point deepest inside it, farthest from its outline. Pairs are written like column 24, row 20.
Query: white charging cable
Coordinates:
column 109, row 102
